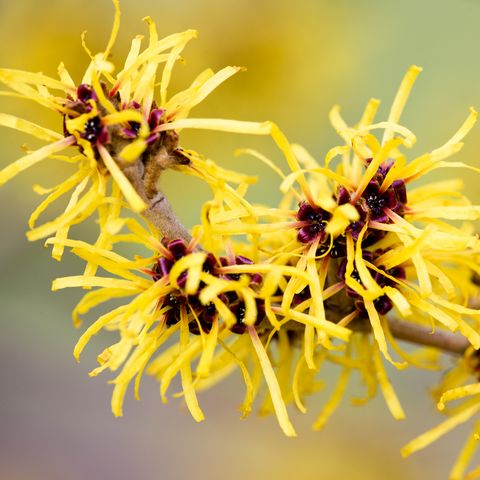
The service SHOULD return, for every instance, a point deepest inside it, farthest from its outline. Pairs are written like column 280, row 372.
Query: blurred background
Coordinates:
column 302, row 57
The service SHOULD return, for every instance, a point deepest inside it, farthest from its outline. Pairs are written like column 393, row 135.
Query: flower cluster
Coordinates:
column 222, row 306
column 353, row 258
column 371, row 245
column 131, row 130
column 122, row 129
column 201, row 316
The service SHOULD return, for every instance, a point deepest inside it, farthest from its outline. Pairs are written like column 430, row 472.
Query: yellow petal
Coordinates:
column 435, row 433
column 249, row 388
column 191, row 263
column 341, row 219
column 57, row 192
column 465, row 456
column 95, row 328
column 203, row 368
column 97, row 297
column 28, row 127
column 62, row 232
column 82, row 281
column 371, row 288
column 12, row 77
column 387, row 389
column 77, row 212
column 328, row 327
column 372, row 168
column 272, row 383
column 399, row 301
column 309, row 347
column 186, row 375
column 179, row 110
column 147, row 55
column 173, row 56
column 32, row 158
column 133, row 150
column 333, row 401
column 185, row 354
column 252, row 128
column 115, row 28
column 456, row 393
column 126, row 187
column 460, row 134
column 369, row 112
column 401, row 99
column 469, row 212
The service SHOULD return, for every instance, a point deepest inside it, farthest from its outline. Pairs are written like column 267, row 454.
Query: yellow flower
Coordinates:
column 369, row 243
column 224, row 309
column 116, row 119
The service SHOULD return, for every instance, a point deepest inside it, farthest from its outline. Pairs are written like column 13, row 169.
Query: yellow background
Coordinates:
column 302, row 57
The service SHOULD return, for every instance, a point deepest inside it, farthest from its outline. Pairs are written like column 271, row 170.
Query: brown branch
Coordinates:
column 422, row 335
column 162, row 216
column 144, row 176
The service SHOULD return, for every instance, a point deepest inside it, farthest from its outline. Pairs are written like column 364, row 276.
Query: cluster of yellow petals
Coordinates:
column 136, row 83
column 439, row 256
column 142, row 328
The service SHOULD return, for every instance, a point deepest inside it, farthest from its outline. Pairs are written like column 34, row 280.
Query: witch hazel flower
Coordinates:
column 205, row 314
column 312, row 222
column 397, row 252
column 177, row 291
column 223, row 307
column 369, row 242
column 125, row 126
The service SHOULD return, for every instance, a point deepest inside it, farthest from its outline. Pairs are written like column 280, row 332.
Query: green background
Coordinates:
column 302, row 57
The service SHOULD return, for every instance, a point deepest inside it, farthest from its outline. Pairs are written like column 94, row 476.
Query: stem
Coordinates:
column 159, row 212
column 422, row 335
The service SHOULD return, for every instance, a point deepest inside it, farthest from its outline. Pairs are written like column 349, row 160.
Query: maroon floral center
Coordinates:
column 202, row 316
column 92, row 129
column 118, row 135
column 382, row 304
column 373, row 205
column 313, row 220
